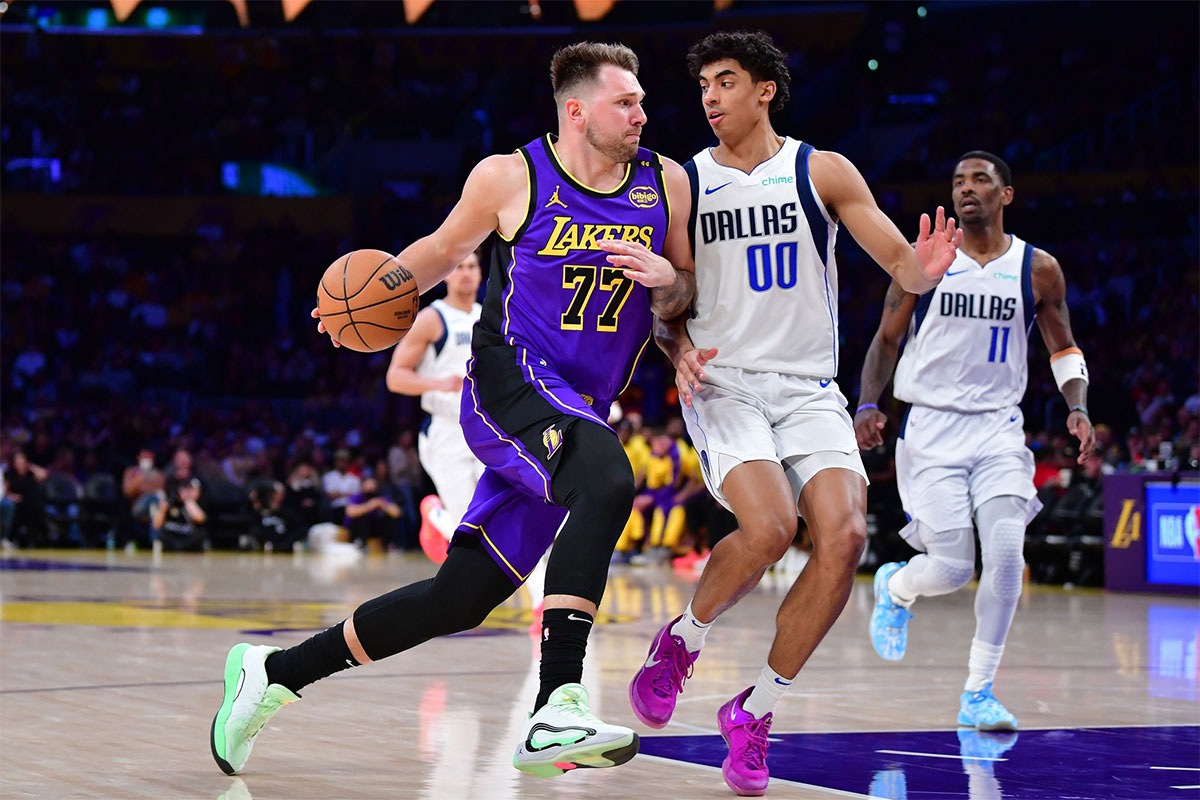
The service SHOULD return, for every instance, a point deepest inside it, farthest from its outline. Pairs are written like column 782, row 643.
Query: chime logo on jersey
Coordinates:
column 570, row 235
column 552, row 438
column 643, row 197
column 743, row 223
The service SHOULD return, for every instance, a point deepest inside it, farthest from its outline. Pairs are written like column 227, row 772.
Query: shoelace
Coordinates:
column 987, row 705
column 673, row 671
column 255, row 722
column 756, row 742
column 575, row 705
column 898, row 615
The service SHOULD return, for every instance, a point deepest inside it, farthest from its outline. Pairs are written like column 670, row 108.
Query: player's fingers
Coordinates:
column 618, row 246
column 315, row 313
column 320, row 327
column 958, row 236
column 950, row 230
column 704, row 356
column 940, row 223
column 924, row 234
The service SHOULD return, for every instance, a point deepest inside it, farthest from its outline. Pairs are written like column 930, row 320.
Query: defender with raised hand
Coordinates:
column 756, row 367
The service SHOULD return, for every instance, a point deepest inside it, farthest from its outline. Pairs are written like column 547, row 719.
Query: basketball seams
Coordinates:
column 367, row 282
column 400, row 296
column 346, row 299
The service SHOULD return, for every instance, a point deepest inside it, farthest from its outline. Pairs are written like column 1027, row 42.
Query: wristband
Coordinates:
column 1081, row 409
column 865, row 405
column 1068, row 365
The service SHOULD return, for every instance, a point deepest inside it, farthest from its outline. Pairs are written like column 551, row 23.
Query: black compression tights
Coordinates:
column 594, row 482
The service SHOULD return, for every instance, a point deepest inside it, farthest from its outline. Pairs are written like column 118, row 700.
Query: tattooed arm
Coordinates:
column 1050, row 299
column 880, row 362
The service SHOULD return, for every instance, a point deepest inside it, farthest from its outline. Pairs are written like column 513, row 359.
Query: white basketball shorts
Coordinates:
column 949, row 463
column 742, row 415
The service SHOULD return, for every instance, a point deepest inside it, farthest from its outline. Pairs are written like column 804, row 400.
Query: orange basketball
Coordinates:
column 367, row 300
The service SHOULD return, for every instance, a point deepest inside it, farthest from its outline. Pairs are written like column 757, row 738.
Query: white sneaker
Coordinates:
column 249, row 703
column 564, row 735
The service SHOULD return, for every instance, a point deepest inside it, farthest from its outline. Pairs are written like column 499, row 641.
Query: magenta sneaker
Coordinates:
column 745, row 768
column 653, row 690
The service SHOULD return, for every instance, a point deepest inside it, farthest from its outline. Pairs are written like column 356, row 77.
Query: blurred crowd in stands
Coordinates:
column 174, row 384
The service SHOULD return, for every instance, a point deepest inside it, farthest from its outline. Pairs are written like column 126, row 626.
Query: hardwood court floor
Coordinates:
column 110, row 670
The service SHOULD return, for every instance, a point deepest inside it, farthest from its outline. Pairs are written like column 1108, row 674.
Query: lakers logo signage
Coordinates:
column 643, row 197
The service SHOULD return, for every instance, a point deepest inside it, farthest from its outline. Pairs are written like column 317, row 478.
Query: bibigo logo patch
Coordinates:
column 643, row 197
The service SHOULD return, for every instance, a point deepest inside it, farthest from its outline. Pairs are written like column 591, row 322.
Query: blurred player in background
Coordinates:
column 431, row 361
column 961, row 460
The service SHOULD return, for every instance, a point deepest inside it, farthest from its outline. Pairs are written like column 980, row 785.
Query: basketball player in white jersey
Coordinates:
column 756, row 367
column 961, row 460
column 431, row 362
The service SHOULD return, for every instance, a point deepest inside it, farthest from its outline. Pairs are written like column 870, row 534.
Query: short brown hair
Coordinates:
column 581, row 62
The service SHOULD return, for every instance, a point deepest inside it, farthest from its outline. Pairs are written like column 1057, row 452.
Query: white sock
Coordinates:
column 770, row 687
column 691, row 630
column 897, row 589
column 982, row 663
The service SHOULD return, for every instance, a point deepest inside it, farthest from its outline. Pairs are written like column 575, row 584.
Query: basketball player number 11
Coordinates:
column 1003, row 344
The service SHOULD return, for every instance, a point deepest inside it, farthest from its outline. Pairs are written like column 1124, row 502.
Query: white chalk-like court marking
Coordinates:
column 939, row 755
column 1181, row 769
column 1197, row 786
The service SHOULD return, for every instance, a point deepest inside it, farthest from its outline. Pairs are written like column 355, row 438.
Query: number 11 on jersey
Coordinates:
column 996, row 336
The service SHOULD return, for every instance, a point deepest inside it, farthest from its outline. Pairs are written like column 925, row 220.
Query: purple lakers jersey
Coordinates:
column 551, row 292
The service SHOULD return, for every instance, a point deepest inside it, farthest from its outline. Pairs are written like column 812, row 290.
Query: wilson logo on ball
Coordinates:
column 394, row 279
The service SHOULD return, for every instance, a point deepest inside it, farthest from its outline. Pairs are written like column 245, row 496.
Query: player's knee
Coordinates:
column 1004, row 558
column 953, row 573
column 845, row 542
column 768, row 536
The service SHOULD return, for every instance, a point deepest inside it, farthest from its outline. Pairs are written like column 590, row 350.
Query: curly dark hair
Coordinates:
column 754, row 50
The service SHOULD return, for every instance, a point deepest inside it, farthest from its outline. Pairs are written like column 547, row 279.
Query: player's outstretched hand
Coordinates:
column 1080, row 427
column 316, row 314
column 642, row 265
column 689, row 372
column 868, row 428
column 936, row 250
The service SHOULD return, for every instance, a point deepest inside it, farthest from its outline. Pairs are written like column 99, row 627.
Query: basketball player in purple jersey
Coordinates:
column 755, row 365
column 584, row 221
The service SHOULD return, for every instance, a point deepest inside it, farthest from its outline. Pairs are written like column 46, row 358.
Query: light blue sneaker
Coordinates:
column 983, row 711
column 889, row 622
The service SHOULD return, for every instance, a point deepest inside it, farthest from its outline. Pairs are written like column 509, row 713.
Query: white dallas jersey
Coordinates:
column 968, row 338
column 766, row 278
column 448, row 356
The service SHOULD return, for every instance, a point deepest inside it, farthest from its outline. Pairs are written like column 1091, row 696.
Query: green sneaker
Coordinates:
column 564, row 735
column 249, row 702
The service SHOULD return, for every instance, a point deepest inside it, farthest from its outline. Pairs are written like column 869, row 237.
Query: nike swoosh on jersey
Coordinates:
column 783, row 683
column 1013, row 418
column 579, row 619
column 959, row 272
column 826, row 382
column 711, row 189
